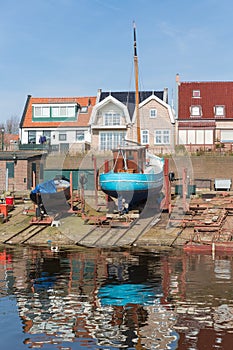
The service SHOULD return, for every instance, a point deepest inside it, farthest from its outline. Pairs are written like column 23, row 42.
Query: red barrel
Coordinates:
column 10, row 200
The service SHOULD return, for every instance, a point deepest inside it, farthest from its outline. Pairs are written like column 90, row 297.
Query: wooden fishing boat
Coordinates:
column 136, row 173
column 51, row 196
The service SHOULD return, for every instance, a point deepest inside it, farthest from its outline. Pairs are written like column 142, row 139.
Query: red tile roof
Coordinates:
column 83, row 118
column 8, row 138
column 211, row 94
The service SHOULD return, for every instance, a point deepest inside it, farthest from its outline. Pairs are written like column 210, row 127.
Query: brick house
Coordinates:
column 61, row 123
column 20, row 170
column 113, row 119
column 205, row 115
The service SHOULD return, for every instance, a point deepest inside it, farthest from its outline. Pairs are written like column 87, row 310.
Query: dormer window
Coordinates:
column 219, row 111
column 153, row 113
column 40, row 111
column 196, row 93
column 195, row 111
column 54, row 111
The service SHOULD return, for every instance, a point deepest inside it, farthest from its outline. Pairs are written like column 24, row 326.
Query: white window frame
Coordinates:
column 153, row 113
column 195, row 111
column 31, row 136
column 80, row 135
column 84, row 109
column 48, row 110
column 145, row 137
column 112, row 119
column 196, row 94
column 162, row 137
column 63, row 111
column 62, row 136
column 41, row 111
column 219, row 111
column 111, row 139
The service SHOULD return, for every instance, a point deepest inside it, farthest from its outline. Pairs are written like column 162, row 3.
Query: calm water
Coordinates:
column 97, row 299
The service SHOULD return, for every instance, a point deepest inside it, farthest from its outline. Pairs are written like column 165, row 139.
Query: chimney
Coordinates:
column 165, row 95
column 177, row 79
column 98, row 95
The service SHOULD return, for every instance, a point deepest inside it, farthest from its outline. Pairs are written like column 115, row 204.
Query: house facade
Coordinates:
column 157, row 124
column 113, row 120
column 60, row 123
column 205, row 115
column 20, row 171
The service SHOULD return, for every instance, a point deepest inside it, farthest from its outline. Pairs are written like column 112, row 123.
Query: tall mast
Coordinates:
column 136, row 86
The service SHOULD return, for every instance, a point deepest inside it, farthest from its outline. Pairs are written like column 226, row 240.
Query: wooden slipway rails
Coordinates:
column 110, row 237
column 25, row 234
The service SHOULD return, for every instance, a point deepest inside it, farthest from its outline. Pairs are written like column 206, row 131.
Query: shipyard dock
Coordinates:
column 208, row 219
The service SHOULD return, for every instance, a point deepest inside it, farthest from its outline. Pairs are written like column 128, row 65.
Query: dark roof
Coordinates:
column 128, row 97
column 21, row 155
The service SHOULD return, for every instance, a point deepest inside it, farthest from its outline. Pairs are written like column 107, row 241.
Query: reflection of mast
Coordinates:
column 136, row 86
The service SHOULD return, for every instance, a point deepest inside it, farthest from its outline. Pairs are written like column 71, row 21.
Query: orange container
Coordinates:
column 4, row 209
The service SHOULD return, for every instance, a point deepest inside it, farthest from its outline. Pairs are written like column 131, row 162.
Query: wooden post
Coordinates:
column 185, row 192
column 106, row 170
column 95, row 180
column 71, row 191
column 136, row 88
column 166, row 203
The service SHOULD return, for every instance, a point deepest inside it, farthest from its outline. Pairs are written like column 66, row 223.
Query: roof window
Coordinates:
column 196, row 93
column 84, row 109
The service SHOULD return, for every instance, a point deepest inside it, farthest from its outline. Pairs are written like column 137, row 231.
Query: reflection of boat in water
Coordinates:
column 128, row 293
column 52, row 196
column 209, row 247
column 136, row 173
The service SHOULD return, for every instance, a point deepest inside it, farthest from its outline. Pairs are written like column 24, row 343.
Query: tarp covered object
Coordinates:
column 45, row 187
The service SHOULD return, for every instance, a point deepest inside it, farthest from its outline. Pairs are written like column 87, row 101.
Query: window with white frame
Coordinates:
column 32, row 136
column 112, row 119
column 80, row 135
column 54, row 111
column 219, row 111
column 47, row 134
column 196, row 93
column 41, row 112
column 62, row 136
column 84, row 109
column 195, row 111
column 162, row 137
column 110, row 140
column 145, row 137
column 63, row 111
column 153, row 113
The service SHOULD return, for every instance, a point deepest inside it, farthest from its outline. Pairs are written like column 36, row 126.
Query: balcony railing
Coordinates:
column 34, row 147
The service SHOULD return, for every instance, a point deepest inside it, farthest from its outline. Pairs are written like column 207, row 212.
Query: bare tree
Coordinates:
column 11, row 125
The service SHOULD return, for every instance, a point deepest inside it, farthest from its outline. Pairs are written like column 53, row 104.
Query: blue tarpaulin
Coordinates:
column 45, row 187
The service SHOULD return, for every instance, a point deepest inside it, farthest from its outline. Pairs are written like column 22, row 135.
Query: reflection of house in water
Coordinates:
column 203, row 306
column 6, row 280
column 58, row 299
column 118, row 299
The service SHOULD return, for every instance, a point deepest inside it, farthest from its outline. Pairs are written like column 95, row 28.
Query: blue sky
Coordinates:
column 74, row 47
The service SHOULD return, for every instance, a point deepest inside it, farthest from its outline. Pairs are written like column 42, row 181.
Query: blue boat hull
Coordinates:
column 132, row 187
